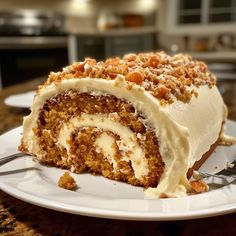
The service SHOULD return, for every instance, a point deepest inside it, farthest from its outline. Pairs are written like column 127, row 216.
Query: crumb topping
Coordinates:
column 165, row 77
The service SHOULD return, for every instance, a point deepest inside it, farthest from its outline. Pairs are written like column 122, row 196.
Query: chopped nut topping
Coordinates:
column 165, row 77
column 154, row 61
column 135, row 77
column 161, row 92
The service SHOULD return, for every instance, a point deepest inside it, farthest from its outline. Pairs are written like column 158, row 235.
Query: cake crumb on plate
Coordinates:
column 227, row 140
column 229, row 165
column 67, row 181
column 199, row 186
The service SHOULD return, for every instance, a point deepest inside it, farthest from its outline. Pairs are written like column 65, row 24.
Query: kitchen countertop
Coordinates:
column 20, row 218
column 215, row 56
column 119, row 31
column 21, row 42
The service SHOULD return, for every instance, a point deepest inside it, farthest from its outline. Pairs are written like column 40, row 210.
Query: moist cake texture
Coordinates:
column 144, row 119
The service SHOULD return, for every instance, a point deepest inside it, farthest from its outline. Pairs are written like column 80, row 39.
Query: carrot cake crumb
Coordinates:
column 67, row 181
column 199, row 186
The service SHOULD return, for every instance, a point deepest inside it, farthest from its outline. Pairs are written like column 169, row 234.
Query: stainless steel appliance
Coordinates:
column 32, row 43
column 31, row 22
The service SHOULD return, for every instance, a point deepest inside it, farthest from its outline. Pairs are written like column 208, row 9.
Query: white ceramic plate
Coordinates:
column 22, row 100
column 100, row 197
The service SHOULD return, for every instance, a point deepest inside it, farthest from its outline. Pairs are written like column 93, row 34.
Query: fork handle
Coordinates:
column 6, row 159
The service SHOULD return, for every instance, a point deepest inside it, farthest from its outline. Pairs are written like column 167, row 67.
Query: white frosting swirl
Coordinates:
column 135, row 154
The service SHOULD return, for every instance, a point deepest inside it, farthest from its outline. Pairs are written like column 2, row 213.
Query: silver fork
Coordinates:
column 12, row 157
column 224, row 177
column 225, row 174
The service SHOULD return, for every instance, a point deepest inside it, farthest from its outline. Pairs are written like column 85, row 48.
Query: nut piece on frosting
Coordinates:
column 67, row 181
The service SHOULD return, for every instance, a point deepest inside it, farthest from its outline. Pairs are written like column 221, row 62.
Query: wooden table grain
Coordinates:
column 20, row 218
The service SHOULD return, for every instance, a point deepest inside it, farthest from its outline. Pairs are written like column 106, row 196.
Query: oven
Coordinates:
column 24, row 58
column 32, row 43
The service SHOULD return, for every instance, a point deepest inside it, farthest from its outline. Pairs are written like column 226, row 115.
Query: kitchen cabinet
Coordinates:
column 101, row 45
column 200, row 17
column 85, row 46
column 206, row 11
column 222, row 64
column 118, row 46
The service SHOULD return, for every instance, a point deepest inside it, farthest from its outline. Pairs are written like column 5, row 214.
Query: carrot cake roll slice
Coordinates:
column 145, row 119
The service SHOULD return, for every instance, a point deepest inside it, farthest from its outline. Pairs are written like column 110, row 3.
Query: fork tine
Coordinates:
column 206, row 175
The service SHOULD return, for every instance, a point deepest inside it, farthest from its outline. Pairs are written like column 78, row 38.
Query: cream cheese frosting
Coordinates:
column 177, row 126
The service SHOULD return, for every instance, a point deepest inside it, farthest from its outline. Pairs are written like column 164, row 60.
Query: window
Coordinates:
column 190, row 11
column 206, row 11
column 221, row 11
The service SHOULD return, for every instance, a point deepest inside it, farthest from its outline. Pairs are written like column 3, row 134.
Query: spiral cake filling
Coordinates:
column 130, row 150
column 80, row 131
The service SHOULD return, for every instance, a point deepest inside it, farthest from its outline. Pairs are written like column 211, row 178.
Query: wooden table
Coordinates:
column 20, row 218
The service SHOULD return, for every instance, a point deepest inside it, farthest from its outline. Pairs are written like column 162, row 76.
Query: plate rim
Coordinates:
column 118, row 214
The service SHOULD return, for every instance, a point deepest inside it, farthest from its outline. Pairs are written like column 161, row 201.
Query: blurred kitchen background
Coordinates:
column 40, row 36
